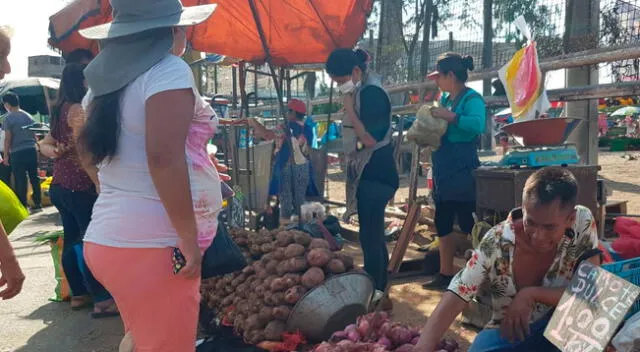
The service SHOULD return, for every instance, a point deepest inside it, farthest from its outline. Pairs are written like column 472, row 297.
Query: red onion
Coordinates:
column 354, row 336
column 350, row 327
column 415, row 340
column 384, row 341
column 363, row 327
column 339, row 336
column 405, row 348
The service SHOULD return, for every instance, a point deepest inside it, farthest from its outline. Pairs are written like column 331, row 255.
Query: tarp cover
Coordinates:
column 296, row 31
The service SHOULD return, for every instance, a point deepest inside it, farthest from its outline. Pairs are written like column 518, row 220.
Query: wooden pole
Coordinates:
column 487, row 62
column 583, row 22
column 234, row 92
column 215, row 79
column 326, row 144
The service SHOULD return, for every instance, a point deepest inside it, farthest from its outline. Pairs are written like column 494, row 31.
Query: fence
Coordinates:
column 460, row 27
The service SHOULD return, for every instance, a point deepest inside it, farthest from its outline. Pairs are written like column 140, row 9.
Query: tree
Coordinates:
column 538, row 16
column 414, row 10
column 389, row 49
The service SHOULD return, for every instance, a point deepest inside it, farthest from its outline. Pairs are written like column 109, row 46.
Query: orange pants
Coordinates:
column 160, row 309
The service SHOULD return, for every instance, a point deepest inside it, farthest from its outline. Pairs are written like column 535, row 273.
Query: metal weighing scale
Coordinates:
column 542, row 143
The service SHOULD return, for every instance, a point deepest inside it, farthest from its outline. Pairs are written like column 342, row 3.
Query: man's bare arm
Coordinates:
column 7, row 144
column 439, row 322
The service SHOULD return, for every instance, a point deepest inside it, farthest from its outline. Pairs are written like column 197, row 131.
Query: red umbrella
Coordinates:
column 282, row 32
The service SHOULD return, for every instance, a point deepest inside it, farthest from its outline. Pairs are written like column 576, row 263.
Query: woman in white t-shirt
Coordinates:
column 146, row 132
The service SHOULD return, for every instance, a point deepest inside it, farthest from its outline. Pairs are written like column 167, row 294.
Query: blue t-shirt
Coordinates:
column 297, row 130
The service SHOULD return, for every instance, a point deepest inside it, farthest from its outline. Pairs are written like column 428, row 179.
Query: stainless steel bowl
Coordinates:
column 332, row 306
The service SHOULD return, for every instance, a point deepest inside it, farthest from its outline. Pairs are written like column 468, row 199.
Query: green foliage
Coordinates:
column 539, row 17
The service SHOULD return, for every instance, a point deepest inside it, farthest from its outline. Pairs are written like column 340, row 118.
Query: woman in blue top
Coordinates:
column 457, row 158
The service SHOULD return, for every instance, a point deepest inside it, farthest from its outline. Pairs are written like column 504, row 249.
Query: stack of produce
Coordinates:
column 374, row 332
column 257, row 301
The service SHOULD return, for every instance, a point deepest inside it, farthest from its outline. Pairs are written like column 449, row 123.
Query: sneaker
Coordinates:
column 36, row 209
column 439, row 282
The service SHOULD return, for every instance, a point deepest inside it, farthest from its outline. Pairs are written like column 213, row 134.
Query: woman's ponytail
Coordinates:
column 363, row 59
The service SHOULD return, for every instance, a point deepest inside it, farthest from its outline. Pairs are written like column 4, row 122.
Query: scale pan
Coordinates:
column 549, row 131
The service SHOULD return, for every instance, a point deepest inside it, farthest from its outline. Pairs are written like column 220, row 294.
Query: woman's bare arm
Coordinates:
column 168, row 117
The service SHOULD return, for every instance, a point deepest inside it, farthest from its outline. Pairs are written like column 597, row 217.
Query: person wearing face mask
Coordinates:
column 372, row 178
column 454, row 162
column 528, row 260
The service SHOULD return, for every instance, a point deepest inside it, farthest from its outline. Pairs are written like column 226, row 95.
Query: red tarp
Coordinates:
column 296, row 31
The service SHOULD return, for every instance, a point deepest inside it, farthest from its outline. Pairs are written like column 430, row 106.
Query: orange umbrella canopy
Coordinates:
column 295, row 31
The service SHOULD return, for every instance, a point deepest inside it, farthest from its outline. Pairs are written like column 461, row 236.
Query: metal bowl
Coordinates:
column 548, row 131
column 332, row 306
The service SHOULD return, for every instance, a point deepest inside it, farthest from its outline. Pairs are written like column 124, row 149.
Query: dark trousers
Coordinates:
column 75, row 210
column 23, row 163
column 372, row 201
column 5, row 174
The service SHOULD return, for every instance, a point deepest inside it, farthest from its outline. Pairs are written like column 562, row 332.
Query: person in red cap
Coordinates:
column 291, row 172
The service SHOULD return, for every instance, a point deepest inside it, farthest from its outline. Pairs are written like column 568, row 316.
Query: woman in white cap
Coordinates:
column 160, row 195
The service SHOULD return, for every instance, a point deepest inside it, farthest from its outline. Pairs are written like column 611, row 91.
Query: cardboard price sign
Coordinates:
column 590, row 310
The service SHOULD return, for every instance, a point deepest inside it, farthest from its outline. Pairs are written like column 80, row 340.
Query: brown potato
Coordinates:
column 294, row 250
column 314, row 277
column 281, row 312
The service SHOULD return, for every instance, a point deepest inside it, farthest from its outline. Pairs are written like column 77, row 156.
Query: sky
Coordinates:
column 29, row 20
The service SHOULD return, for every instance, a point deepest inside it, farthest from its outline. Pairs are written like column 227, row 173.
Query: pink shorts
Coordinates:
column 160, row 309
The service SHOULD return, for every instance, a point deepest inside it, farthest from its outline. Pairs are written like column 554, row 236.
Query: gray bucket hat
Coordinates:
column 134, row 16
column 139, row 36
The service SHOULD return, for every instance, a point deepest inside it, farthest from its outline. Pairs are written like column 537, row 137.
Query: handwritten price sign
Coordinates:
column 590, row 310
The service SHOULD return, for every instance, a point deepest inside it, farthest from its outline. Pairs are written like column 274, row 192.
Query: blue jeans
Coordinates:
column 489, row 340
column 75, row 210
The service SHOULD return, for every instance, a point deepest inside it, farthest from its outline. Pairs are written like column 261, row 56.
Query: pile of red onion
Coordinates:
column 374, row 332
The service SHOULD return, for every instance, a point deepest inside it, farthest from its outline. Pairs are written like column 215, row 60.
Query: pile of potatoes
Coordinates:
column 284, row 265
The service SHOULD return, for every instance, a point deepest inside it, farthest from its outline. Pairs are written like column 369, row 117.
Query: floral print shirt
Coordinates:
column 491, row 265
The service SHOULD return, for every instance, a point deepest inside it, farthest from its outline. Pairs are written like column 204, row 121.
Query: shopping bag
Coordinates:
column 223, row 256
column 523, row 81
column 427, row 130
column 12, row 212
column 55, row 240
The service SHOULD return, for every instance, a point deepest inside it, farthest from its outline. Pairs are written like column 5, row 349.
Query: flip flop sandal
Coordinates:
column 82, row 303
column 108, row 312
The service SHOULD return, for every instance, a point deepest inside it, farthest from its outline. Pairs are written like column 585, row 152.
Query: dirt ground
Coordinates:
column 31, row 323
column 413, row 304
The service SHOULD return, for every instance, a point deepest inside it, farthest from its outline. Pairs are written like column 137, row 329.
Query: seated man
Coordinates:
column 527, row 261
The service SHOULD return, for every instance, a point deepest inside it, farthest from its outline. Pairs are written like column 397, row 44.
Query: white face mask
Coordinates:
column 347, row 87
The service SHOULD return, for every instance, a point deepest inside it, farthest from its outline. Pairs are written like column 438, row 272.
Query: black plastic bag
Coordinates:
column 223, row 256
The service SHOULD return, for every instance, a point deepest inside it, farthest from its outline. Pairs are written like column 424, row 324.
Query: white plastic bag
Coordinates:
column 629, row 335
column 427, row 130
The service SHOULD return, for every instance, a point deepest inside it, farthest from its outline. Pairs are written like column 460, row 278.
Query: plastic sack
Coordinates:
column 628, row 244
column 44, row 190
column 223, row 256
column 55, row 240
column 11, row 210
column 629, row 336
column 523, row 81
column 427, row 130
